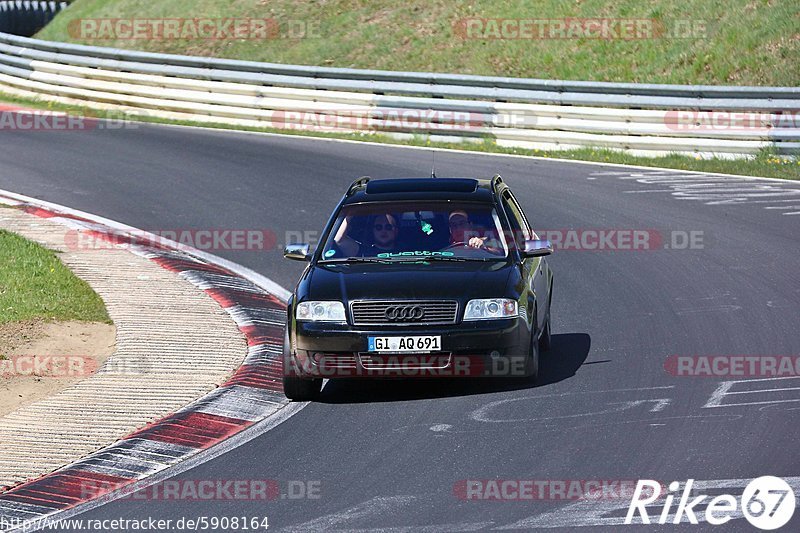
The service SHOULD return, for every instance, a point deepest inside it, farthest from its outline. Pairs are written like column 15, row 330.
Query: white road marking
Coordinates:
column 605, row 424
column 647, row 191
column 725, row 308
column 373, row 508
column 482, row 414
column 724, row 391
column 771, row 201
column 714, row 189
column 436, row 528
column 660, row 405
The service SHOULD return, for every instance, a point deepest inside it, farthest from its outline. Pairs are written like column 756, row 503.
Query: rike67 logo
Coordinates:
column 767, row 503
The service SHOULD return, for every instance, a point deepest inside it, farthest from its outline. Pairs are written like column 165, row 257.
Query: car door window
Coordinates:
column 525, row 223
column 519, row 225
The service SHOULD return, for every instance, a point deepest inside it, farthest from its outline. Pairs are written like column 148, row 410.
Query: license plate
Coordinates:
column 405, row 344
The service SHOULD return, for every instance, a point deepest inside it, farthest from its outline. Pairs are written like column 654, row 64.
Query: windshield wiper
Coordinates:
column 408, row 259
column 431, row 258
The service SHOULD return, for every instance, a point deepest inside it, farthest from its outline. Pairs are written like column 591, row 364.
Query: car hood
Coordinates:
column 459, row 281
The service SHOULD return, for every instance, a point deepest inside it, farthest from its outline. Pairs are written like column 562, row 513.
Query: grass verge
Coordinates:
column 35, row 284
column 732, row 42
column 765, row 164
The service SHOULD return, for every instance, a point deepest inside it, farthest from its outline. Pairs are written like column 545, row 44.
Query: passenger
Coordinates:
column 384, row 237
column 384, row 233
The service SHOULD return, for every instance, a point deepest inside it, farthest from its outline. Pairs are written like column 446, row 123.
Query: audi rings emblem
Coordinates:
column 404, row 313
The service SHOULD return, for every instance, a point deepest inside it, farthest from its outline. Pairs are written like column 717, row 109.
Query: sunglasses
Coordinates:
column 381, row 227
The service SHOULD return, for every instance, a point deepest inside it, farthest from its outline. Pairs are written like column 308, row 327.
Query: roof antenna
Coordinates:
column 433, row 168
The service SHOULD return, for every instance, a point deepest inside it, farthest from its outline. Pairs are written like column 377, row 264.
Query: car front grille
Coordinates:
column 404, row 312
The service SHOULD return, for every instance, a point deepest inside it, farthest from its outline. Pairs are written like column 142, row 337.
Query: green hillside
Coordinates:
column 736, row 42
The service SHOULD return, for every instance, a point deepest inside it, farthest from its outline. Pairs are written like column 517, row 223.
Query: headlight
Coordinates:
column 490, row 308
column 321, row 311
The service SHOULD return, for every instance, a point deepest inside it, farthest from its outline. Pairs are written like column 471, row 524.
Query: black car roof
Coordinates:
column 469, row 189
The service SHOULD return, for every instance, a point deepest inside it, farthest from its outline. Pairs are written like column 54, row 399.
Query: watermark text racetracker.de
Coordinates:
column 369, row 119
column 264, row 240
column 209, row 239
column 744, row 121
column 47, row 366
column 623, row 239
column 510, row 490
column 582, row 239
column 415, row 365
column 192, row 29
column 204, row 490
column 36, row 120
column 739, row 366
column 602, row 28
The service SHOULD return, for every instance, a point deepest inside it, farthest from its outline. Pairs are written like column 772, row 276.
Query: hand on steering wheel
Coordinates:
column 474, row 242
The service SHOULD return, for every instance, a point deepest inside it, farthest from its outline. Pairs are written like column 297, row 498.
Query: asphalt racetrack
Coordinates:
column 718, row 275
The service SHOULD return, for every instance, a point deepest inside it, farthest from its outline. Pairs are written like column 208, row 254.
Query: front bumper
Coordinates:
column 469, row 349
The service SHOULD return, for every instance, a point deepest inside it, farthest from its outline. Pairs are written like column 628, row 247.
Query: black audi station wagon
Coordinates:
column 419, row 277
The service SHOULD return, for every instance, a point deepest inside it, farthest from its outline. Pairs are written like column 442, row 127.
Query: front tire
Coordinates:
column 532, row 362
column 296, row 388
column 301, row 390
column 545, row 340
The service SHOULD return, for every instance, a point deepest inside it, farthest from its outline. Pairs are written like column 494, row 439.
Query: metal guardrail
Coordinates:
column 529, row 113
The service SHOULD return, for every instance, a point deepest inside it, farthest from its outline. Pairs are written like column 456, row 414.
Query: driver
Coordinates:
column 463, row 232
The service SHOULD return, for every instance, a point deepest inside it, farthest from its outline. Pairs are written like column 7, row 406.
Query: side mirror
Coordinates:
column 537, row 248
column 297, row 252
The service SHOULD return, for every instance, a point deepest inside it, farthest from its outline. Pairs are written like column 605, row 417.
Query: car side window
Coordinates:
column 525, row 223
column 519, row 225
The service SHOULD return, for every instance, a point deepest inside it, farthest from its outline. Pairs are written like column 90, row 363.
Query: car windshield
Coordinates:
column 413, row 231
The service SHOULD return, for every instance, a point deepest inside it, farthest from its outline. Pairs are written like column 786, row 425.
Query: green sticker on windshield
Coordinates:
column 426, row 227
column 330, row 253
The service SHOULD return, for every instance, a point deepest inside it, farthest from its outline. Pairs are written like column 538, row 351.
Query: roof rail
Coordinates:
column 360, row 182
column 496, row 180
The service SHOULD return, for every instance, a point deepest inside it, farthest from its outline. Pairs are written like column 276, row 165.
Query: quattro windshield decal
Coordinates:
column 415, row 253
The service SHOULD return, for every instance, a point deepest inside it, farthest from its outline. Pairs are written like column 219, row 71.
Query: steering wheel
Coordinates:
column 456, row 244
